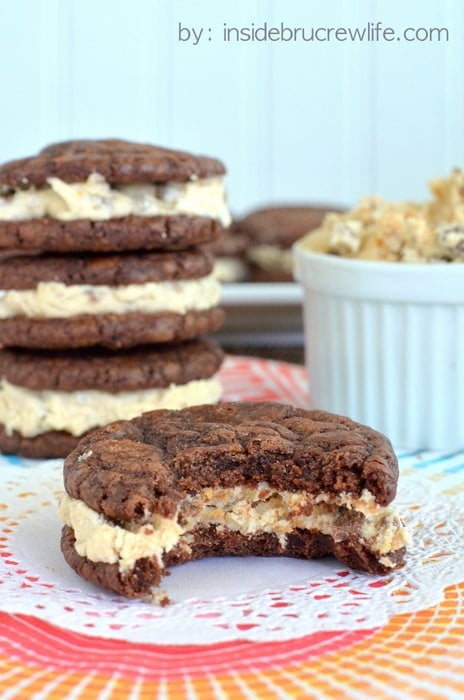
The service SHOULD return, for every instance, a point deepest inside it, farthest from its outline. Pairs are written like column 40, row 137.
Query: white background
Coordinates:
column 293, row 122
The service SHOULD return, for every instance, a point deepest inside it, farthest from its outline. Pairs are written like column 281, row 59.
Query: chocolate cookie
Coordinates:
column 27, row 271
column 282, row 225
column 51, row 444
column 230, row 242
column 113, row 331
column 113, row 235
column 118, row 161
column 48, row 400
column 236, row 478
column 128, row 370
column 259, row 274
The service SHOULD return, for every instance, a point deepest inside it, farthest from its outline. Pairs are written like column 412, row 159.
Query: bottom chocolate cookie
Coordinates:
column 54, row 443
column 147, row 573
column 259, row 274
column 231, row 479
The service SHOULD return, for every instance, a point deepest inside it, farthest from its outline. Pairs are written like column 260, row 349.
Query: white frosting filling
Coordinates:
column 97, row 200
column 229, row 269
column 99, row 541
column 244, row 509
column 271, row 258
column 33, row 412
column 58, row 300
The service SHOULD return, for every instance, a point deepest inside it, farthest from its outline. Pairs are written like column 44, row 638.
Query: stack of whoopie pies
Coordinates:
column 107, row 288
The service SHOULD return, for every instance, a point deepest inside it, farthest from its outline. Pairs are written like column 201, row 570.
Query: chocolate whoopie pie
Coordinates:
column 271, row 232
column 116, row 301
column 110, row 195
column 235, row 478
column 48, row 400
column 229, row 249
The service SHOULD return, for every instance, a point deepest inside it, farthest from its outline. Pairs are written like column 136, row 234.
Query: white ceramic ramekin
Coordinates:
column 385, row 345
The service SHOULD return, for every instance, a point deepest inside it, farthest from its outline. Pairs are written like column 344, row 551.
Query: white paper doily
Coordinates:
column 225, row 599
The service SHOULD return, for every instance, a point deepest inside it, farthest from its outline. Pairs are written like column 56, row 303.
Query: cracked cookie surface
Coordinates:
column 234, row 478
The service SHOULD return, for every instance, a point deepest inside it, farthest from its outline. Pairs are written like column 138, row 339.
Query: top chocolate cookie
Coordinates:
column 281, row 225
column 145, row 465
column 117, row 161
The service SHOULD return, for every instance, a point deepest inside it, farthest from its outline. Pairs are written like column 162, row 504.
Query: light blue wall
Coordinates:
column 293, row 122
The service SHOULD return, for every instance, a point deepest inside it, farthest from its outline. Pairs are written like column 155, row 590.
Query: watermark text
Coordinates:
column 371, row 32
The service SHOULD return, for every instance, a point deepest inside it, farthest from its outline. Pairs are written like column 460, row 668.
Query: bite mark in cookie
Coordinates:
column 256, row 478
